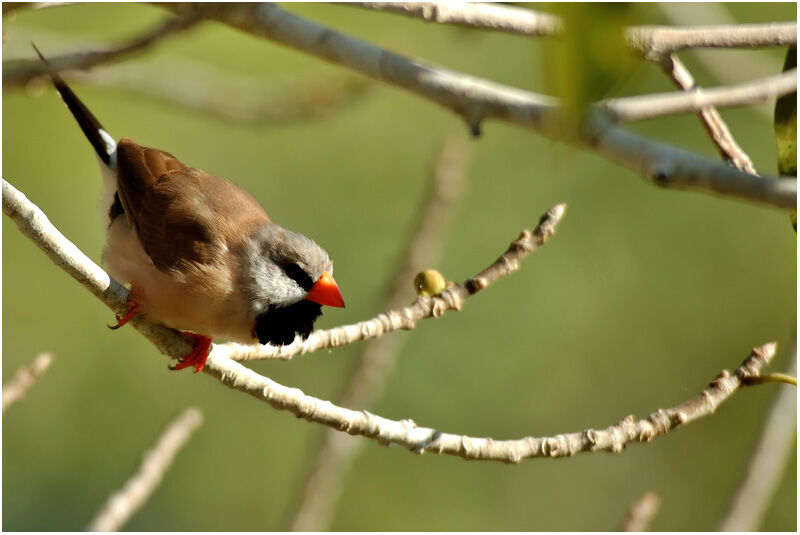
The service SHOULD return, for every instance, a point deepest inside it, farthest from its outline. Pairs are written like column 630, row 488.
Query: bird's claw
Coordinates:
column 197, row 357
column 134, row 308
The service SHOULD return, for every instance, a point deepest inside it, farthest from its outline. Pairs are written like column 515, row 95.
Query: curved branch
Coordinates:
column 21, row 72
column 417, row 439
column 476, row 99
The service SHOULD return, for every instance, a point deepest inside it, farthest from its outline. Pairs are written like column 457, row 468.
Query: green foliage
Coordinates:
column 590, row 59
column 786, row 128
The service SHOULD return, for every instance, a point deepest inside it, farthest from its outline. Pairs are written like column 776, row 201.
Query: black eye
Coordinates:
column 296, row 273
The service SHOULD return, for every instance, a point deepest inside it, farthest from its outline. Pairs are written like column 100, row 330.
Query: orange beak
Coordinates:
column 326, row 292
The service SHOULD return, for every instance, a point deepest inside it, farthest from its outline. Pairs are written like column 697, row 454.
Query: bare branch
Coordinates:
column 642, row 512
column 21, row 72
column 658, row 105
column 15, row 389
column 212, row 91
column 122, row 504
column 769, row 460
column 406, row 318
column 655, row 42
column 476, row 99
column 709, row 116
column 322, row 486
column 672, row 167
column 417, row 439
column 724, row 71
column 497, row 17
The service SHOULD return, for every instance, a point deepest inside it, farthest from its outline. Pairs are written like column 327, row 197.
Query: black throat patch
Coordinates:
column 277, row 326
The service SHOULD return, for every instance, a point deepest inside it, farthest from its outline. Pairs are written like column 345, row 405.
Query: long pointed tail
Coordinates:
column 103, row 143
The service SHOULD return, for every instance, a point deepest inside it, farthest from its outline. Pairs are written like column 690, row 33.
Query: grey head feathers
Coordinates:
column 281, row 267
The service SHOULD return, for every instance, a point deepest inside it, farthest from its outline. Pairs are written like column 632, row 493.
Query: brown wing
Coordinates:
column 181, row 214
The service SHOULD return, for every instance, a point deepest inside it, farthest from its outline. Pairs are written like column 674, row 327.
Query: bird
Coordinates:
column 200, row 253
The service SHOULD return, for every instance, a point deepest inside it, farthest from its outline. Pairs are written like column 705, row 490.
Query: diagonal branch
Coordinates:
column 642, row 512
column 417, row 439
column 15, row 389
column 34, row 224
column 21, row 72
column 476, row 99
column 122, row 504
column 709, row 116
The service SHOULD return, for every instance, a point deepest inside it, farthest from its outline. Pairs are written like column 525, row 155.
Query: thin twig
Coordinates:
column 122, row 504
column 642, row 512
column 709, row 116
column 22, row 71
column 769, row 461
column 642, row 107
column 322, row 486
column 496, row 17
column 15, row 389
column 476, row 99
column 212, row 91
column 406, row 318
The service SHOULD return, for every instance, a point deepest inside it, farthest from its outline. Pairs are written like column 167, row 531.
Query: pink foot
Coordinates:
column 197, row 358
column 134, row 308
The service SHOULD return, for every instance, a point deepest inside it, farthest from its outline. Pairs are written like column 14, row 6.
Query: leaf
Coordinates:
column 786, row 128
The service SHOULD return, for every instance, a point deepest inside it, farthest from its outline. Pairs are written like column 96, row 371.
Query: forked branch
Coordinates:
column 476, row 99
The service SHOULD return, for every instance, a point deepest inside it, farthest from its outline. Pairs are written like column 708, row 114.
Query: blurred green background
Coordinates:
column 640, row 299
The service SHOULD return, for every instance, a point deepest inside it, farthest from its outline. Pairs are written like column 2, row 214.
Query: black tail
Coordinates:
column 102, row 142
